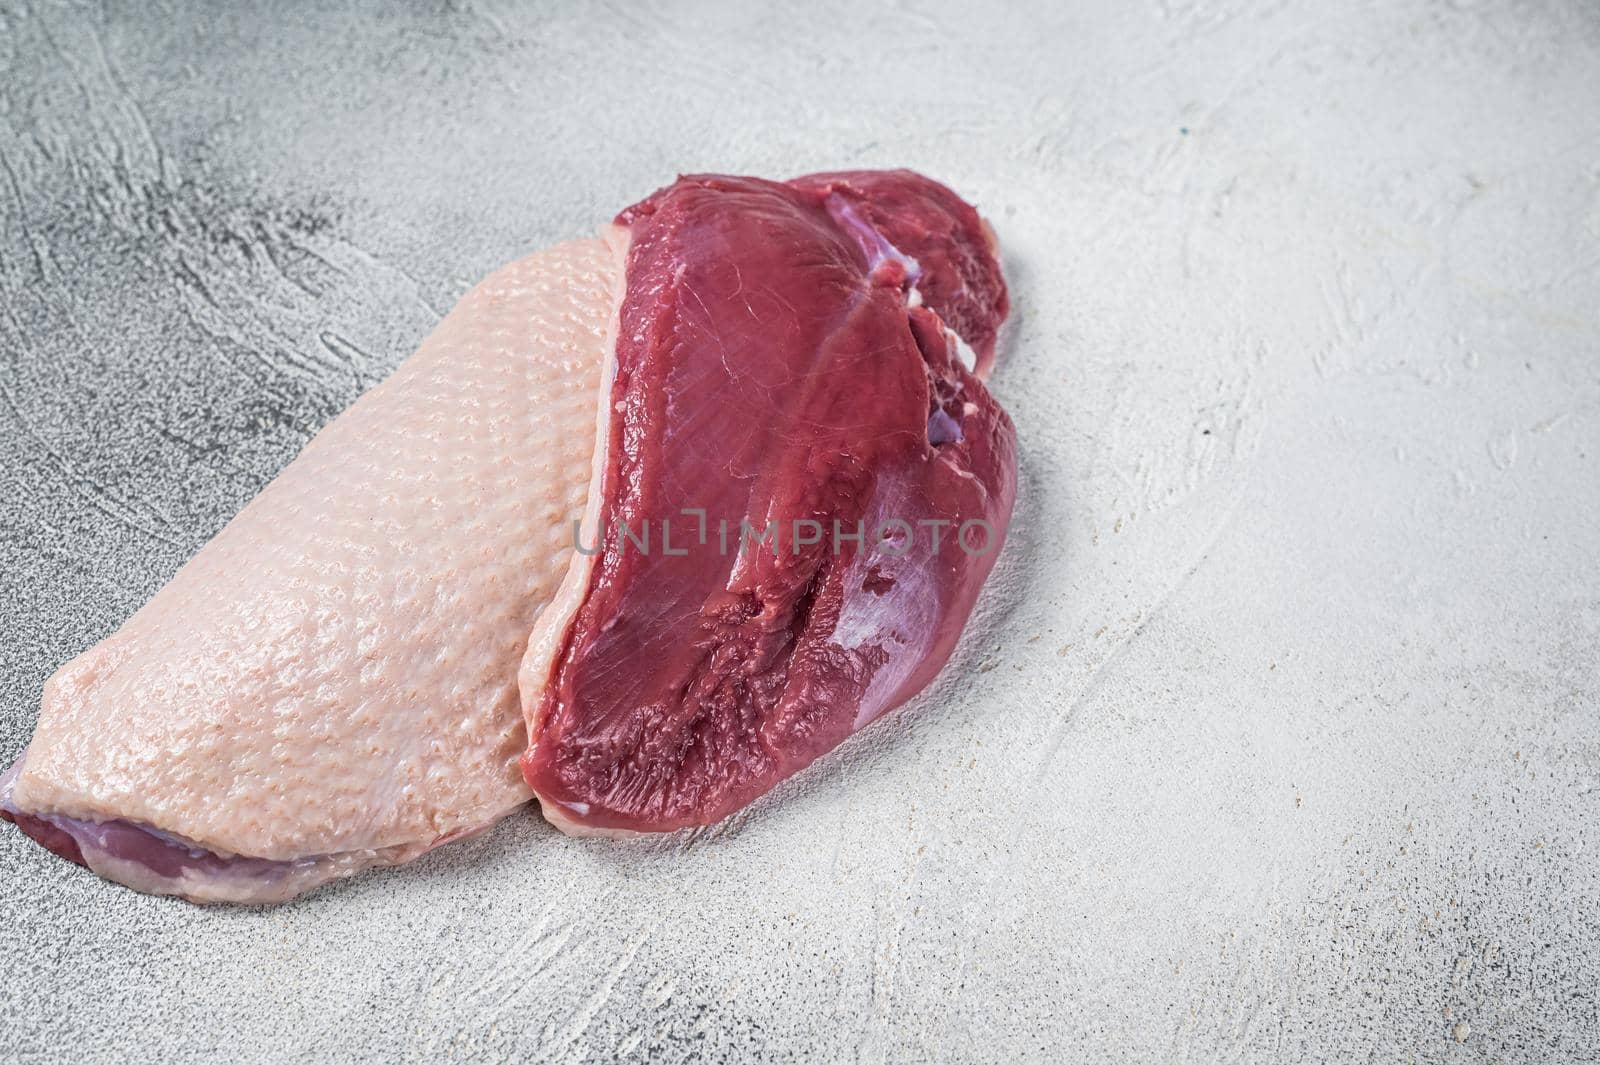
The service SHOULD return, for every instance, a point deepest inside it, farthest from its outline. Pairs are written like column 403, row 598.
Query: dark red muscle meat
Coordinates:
column 821, row 485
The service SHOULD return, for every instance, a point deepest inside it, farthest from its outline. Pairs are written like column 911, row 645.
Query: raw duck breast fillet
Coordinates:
column 330, row 683
column 788, row 359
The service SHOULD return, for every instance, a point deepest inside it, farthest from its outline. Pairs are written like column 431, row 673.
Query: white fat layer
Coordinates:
column 551, row 627
column 964, row 352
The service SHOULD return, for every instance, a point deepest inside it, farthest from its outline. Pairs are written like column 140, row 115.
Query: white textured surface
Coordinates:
column 1277, row 738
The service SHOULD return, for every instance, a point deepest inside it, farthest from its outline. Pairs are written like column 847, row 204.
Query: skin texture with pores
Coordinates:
column 330, row 683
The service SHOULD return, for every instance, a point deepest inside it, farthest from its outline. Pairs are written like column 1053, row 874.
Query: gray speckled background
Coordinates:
column 1278, row 737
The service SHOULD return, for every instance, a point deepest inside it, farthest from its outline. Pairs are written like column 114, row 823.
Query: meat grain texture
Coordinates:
column 788, row 395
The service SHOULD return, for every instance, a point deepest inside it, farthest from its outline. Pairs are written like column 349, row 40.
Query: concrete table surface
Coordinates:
column 1278, row 735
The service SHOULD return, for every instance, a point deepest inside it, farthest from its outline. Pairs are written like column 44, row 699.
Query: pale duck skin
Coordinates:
column 331, row 682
